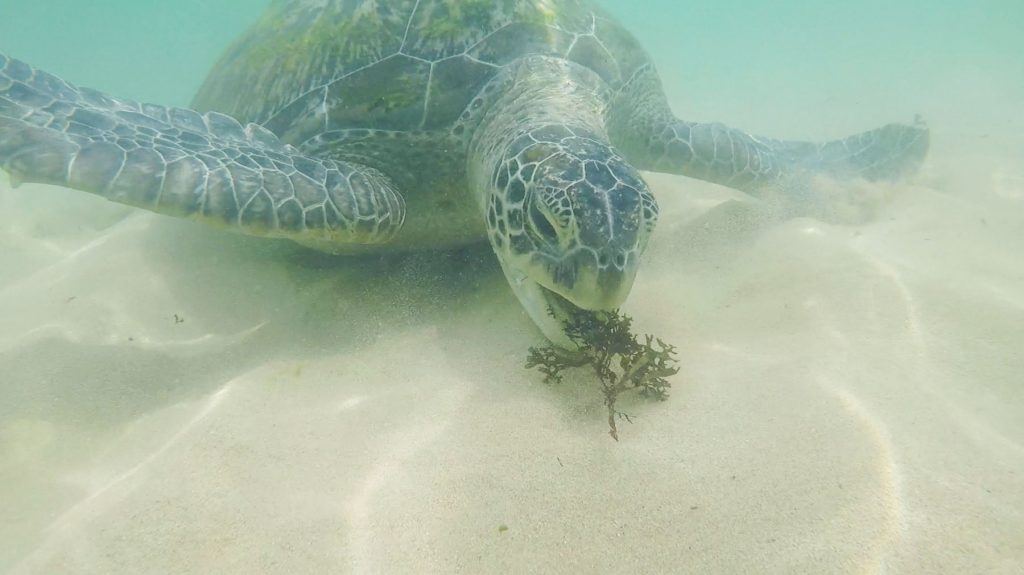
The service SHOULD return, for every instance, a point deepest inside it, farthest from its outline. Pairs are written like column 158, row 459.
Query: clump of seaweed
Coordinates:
column 621, row 361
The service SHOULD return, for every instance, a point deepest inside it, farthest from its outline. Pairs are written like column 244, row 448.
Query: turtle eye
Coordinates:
column 542, row 225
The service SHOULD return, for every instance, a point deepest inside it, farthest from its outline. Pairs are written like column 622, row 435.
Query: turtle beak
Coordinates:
column 548, row 302
column 600, row 282
column 612, row 288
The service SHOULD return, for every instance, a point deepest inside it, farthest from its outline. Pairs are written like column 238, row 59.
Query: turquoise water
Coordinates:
column 781, row 68
column 733, row 58
column 850, row 400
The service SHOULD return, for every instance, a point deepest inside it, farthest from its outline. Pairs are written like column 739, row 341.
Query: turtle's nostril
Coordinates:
column 609, row 257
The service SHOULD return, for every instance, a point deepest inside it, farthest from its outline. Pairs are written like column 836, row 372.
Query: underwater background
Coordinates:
column 851, row 397
column 720, row 59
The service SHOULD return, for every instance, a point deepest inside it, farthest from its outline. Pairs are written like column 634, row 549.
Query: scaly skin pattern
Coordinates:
column 178, row 162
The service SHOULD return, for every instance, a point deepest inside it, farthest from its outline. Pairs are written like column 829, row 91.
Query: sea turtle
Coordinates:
column 353, row 126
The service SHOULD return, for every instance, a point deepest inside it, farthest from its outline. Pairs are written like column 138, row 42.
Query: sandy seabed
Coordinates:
column 179, row 400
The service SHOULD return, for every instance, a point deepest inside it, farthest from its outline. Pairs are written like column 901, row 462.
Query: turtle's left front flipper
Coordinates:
column 642, row 124
column 179, row 162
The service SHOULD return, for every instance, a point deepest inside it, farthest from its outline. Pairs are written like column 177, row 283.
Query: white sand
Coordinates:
column 851, row 399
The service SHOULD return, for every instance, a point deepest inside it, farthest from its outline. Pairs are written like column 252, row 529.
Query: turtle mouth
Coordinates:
column 548, row 310
column 557, row 312
column 580, row 280
column 559, row 308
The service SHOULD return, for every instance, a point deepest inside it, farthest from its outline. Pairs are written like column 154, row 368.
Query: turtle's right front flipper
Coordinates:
column 179, row 162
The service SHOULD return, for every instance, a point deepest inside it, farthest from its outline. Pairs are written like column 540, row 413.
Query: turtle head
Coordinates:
column 568, row 218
